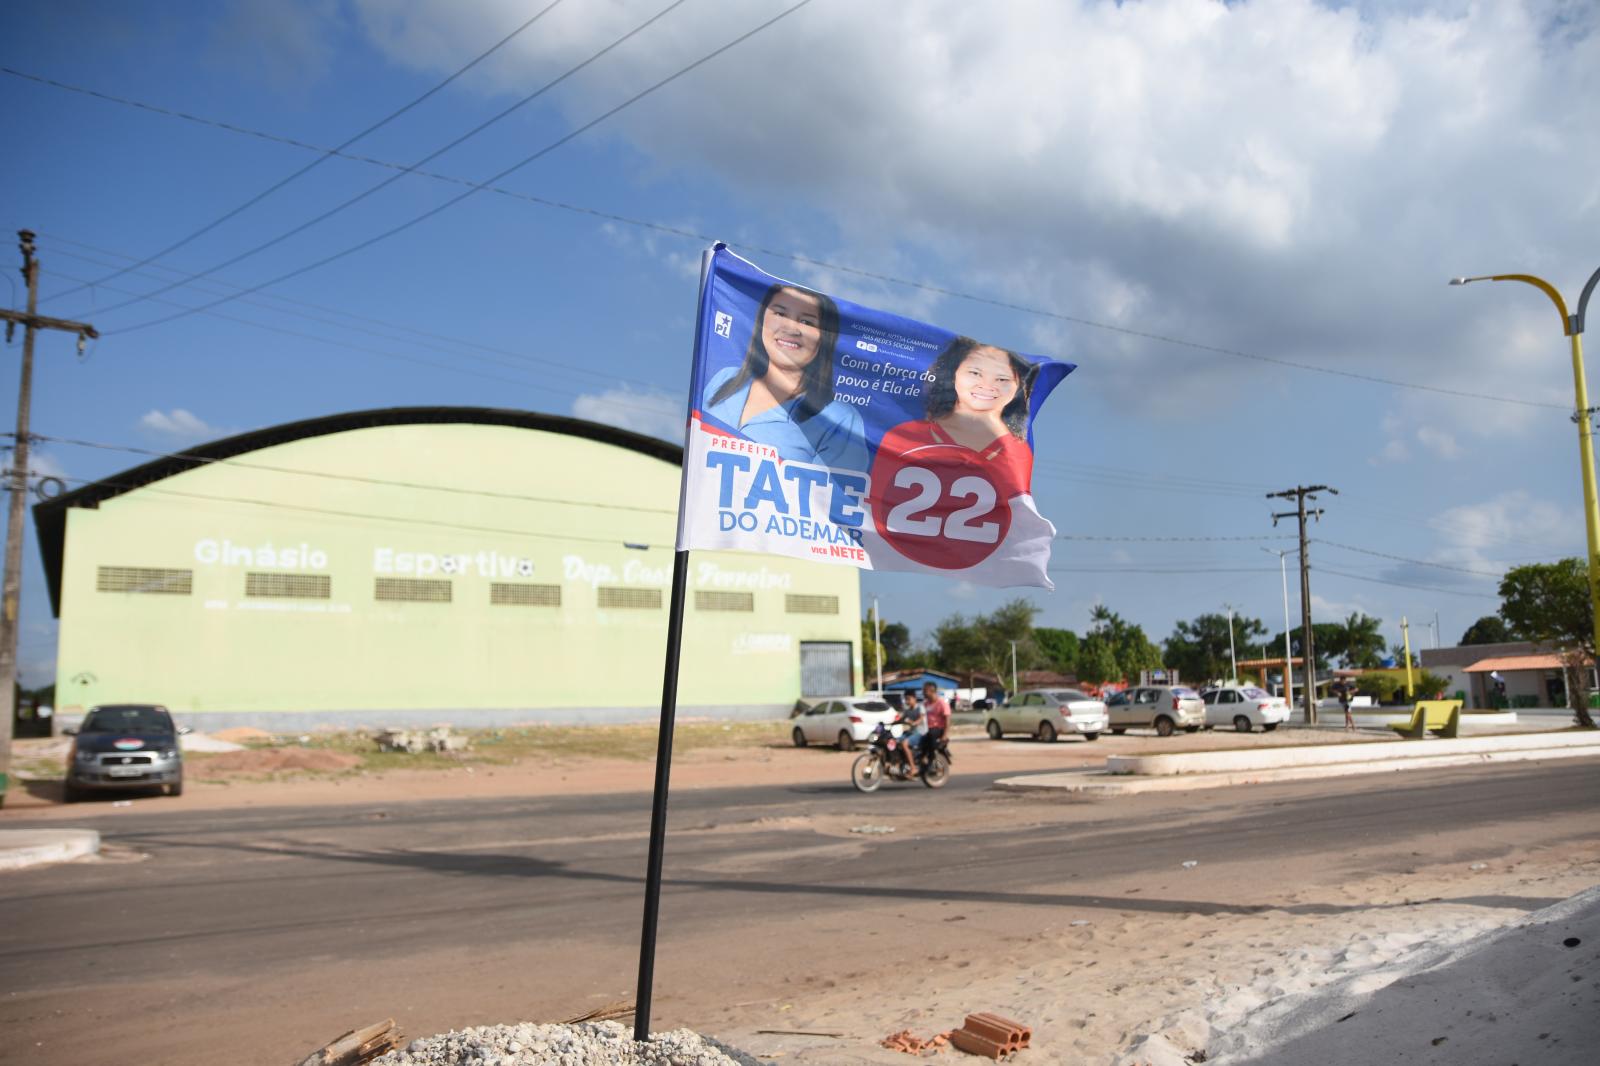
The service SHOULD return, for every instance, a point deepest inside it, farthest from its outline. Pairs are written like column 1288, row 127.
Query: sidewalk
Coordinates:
column 1220, row 769
column 20, row 848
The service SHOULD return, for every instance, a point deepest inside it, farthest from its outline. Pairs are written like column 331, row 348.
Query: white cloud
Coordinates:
column 180, row 424
column 1509, row 528
column 1440, row 442
column 652, row 413
column 1209, row 170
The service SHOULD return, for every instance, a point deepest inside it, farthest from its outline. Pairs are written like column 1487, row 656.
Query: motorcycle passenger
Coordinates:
column 936, row 717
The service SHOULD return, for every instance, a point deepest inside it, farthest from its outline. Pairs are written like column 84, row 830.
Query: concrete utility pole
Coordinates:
column 1233, row 657
column 1013, row 666
column 1302, row 493
column 11, row 596
column 877, row 636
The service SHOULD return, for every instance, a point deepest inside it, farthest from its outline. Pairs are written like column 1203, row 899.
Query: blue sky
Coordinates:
column 1288, row 180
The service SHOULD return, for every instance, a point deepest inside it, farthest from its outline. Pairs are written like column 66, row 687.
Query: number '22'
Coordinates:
column 903, row 517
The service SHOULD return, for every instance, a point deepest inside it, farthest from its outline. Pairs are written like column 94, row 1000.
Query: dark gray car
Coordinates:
column 123, row 746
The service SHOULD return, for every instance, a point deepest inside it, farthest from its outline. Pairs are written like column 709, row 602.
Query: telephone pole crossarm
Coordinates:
column 65, row 325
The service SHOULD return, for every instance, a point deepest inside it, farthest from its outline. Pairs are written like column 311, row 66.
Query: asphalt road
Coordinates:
column 282, row 927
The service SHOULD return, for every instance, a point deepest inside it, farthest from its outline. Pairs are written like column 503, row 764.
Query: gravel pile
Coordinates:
column 582, row 1044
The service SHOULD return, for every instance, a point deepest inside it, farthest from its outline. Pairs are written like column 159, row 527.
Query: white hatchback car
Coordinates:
column 843, row 722
column 1047, row 713
column 1244, row 707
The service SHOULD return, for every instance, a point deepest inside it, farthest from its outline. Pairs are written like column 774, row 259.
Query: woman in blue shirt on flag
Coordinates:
column 782, row 394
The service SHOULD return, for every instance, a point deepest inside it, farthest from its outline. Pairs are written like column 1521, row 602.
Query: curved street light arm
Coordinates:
column 1583, row 302
column 1549, row 290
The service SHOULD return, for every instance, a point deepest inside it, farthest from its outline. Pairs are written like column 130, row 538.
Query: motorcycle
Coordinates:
column 889, row 757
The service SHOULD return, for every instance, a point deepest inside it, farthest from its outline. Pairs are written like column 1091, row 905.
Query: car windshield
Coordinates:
column 127, row 720
column 1185, row 693
column 869, row 705
column 1256, row 694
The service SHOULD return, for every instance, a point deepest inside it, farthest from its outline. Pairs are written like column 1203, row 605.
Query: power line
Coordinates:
column 1404, row 559
column 322, row 158
column 702, row 238
column 357, row 478
column 542, row 386
column 1408, row 585
column 1165, row 540
column 436, row 153
column 547, row 149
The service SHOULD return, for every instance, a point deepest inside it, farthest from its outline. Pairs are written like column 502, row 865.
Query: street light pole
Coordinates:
column 877, row 637
column 1572, row 326
column 1288, row 655
column 1233, row 659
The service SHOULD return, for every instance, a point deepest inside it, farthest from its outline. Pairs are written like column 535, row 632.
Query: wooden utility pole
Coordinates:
column 11, row 595
column 1308, row 644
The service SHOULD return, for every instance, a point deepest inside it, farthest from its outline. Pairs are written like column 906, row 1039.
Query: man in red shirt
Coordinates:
column 936, row 712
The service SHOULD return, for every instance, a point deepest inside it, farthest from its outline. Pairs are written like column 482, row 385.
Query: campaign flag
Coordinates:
column 824, row 430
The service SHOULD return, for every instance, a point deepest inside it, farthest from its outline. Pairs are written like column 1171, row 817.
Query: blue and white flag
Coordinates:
column 821, row 429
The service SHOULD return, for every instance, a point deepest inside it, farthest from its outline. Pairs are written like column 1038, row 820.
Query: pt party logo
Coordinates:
column 820, row 429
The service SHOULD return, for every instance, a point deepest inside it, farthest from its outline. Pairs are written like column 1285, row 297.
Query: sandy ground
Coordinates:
column 1162, row 989
column 295, row 777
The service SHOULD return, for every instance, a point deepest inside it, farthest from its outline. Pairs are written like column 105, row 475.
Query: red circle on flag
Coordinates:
column 938, row 504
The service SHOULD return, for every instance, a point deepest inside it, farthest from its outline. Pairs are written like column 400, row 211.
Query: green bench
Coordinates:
column 1442, row 718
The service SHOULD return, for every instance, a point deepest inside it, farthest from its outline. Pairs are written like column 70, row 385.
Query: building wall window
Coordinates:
column 288, row 586
column 711, row 600
column 800, row 604
column 412, row 590
column 628, row 598
column 144, row 579
column 524, row 594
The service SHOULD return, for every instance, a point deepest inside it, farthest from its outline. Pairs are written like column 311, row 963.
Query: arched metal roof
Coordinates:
column 50, row 516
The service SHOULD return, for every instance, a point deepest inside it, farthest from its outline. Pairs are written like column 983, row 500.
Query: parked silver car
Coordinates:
column 1164, row 708
column 1048, row 713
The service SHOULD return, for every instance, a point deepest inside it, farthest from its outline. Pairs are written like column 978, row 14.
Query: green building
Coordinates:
column 423, row 565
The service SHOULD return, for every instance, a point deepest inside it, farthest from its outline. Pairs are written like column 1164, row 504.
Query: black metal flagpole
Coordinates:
column 658, row 808
column 669, row 709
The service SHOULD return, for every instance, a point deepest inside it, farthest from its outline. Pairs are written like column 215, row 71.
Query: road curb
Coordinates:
column 20, row 848
column 1102, row 783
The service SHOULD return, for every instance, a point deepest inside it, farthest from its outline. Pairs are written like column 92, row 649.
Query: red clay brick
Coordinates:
column 973, row 1044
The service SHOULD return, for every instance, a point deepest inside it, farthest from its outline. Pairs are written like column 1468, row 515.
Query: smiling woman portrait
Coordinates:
column 781, row 395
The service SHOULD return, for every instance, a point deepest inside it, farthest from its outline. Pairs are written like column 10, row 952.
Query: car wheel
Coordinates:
column 1241, row 723
column 1047, row 733
column 1091, row 736
column 176, row 788
column 1118, row 730
column 994, row 730
column 798, row 737
column 1164, row 726
column 846, row 742
column 1267, row 727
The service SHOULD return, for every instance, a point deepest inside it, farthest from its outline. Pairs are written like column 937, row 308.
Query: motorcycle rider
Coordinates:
column 913, row 728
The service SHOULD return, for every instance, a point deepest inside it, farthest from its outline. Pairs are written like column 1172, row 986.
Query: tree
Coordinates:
column 1357, row 641
column 1131, row 651
column 1326, row 634
column 1490, row 629
column 984, row 643
column 1097, row 663
column 896, row 644
column 1550, row 602
column 1199, row 650
column 1059, row 648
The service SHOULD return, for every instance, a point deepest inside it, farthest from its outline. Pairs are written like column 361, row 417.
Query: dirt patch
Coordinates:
column 282, row 760
column 243, row 734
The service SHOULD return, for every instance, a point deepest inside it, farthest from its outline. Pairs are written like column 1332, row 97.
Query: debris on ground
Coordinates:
column 1189, row 864
column 583, row 1044
column 912, row 1044
column 416, row 741
column 206, row 742
column 358, row 1046
column 872, row 829
column 243, row 734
